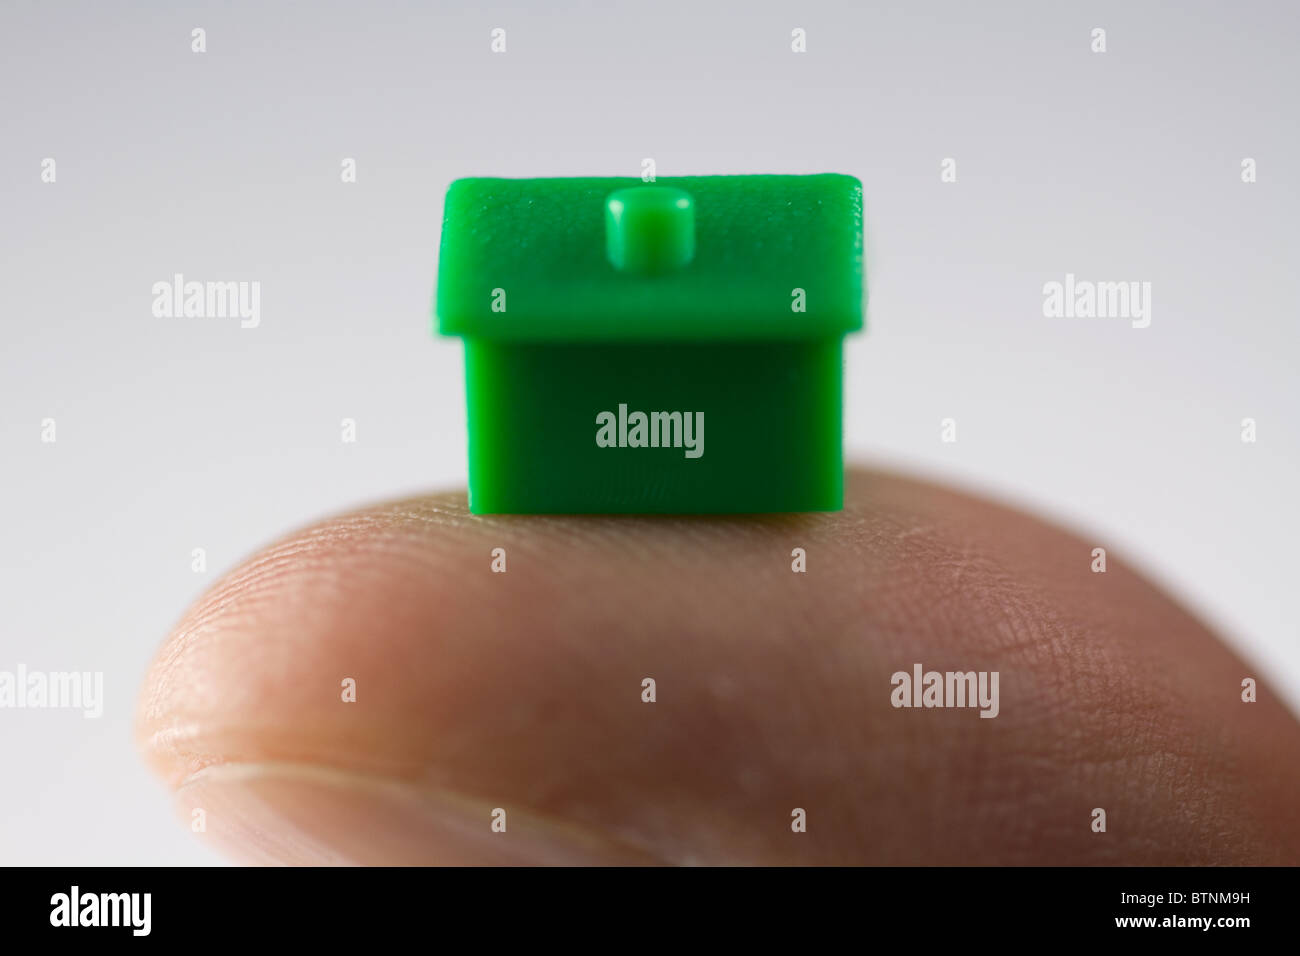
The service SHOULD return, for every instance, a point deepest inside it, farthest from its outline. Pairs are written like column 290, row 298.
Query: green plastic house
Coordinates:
column 672, row 347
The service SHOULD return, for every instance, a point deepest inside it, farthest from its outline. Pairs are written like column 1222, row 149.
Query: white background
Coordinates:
column 182, row 433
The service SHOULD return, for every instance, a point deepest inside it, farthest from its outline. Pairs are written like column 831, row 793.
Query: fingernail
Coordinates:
column 303, row 815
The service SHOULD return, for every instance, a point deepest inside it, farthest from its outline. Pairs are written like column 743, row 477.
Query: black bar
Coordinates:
column 972, row 905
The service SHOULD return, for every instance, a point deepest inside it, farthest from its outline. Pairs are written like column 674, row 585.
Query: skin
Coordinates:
column 522, row 691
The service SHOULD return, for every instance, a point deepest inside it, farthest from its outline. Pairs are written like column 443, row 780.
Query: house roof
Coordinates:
column 705, row 258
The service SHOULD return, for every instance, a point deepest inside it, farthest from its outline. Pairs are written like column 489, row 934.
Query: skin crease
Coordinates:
column 522, row 692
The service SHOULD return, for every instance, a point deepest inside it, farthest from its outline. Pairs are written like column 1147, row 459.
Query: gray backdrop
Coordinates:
column 175, row 434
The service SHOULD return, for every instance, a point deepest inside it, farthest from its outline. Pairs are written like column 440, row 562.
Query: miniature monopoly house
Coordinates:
column 671, row 347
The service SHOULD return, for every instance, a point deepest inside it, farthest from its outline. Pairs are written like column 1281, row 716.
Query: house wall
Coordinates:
column 553, row 428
